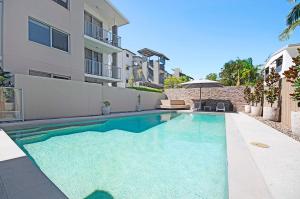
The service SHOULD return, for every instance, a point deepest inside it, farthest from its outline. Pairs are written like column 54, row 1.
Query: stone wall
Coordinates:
column 232, row 96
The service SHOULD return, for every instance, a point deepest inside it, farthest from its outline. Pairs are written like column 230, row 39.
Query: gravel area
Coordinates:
column 278, row 126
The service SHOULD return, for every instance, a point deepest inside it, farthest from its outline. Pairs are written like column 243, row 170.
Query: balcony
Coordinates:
column 162, row 68
column 101, row 34
column 102, row 70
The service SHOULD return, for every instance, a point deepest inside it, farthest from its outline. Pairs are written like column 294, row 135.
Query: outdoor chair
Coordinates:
column 220, row 107
column 200, row 105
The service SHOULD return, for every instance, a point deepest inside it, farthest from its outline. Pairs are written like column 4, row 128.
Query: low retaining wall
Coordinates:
column 232, row 96
column 54, row 98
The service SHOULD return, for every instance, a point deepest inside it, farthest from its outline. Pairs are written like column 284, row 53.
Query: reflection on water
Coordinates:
column 99, row 195
column 132, row 124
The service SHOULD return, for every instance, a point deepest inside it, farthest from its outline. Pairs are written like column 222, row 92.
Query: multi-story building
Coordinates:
column 282, row 59
column 153, row 66
column 147, row 69
column 65, row 39
column 126, row 62
column 177, row 72
column 134, row 72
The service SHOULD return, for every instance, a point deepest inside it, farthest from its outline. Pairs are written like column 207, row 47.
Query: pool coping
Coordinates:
column 244, row 178
column 279, row 163
column 20, row 178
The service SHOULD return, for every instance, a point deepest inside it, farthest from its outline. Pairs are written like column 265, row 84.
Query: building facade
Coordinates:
column 153, row 67
column 146, row 69
column 177, row 72
column 126, row 62
column 282, row 59
column 66, row 39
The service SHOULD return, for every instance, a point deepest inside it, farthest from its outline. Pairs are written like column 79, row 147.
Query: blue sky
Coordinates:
column 199, row 36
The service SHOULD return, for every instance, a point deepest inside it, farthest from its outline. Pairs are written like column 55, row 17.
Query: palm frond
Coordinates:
column 288, row 31
column 294, row 15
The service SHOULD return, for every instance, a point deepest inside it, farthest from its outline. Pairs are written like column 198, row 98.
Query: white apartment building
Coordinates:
column 147, row 69
column 66, row 39
column 126, row 62
column 282, row 59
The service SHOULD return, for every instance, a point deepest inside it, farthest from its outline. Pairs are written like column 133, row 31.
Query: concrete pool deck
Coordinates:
column 278, row 165
column 19, row 177
column 253, row 173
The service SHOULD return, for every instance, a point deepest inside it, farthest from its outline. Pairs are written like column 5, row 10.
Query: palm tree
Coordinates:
column 292, row 21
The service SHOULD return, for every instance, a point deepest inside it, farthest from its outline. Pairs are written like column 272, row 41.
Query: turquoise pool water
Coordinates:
column 157, row 156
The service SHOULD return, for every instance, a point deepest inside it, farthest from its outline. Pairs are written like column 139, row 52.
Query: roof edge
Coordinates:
column 118, row 11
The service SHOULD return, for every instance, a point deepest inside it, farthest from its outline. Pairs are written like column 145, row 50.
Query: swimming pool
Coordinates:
column 152, row 156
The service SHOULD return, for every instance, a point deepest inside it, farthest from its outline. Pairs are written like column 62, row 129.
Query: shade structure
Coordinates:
column 202, row 83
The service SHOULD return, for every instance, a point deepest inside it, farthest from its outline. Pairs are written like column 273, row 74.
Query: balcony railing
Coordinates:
column 101, row 34
column 162, row 67
column 99, row 69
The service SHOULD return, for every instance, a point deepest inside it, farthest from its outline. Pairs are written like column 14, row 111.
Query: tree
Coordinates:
column 239, row 72
column 131, row 80
column 272, row 91
column 292, row 21
column 173, row 82
column 247, row 95
column 258, row 92
column 212, row 76
column 293, row 76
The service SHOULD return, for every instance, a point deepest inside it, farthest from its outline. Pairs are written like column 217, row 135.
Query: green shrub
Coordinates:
column 147, row 89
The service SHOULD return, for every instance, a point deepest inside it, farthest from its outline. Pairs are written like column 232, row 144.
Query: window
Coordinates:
column 127, row 55
column 60, row 40
column 63, row 3
column 39, row 73
column 61, row 77
column 48, row 36
column 49, row 75
column 39, row 32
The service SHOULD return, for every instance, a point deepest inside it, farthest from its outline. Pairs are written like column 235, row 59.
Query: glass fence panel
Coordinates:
column 11, row 104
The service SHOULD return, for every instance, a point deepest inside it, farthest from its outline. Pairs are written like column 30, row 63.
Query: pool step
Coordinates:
column 19, row 134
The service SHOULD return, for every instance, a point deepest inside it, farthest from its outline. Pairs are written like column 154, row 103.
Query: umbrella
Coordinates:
column 202, row 83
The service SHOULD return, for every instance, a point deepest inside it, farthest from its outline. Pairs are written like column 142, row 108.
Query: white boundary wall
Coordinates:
column 54, row 98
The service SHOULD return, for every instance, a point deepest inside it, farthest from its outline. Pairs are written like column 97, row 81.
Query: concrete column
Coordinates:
column 115, row 35
column 115, row 69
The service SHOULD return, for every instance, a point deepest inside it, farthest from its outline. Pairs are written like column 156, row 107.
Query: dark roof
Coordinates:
column 149, row 53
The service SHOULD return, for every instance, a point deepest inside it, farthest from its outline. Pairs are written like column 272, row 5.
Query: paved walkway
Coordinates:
column 279, row 164
column 19, row 177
